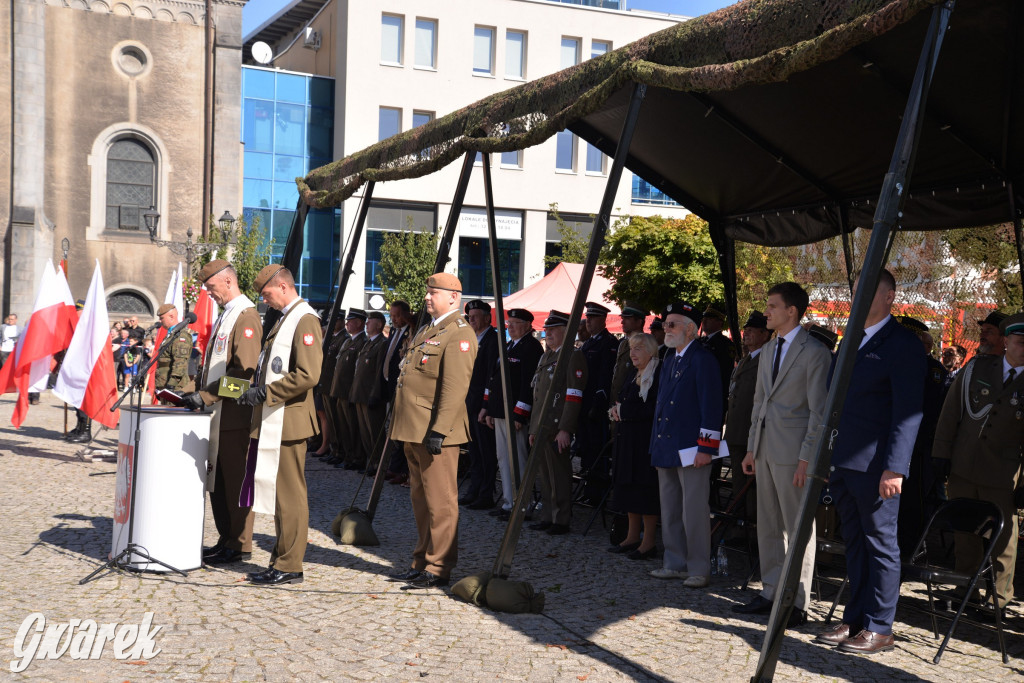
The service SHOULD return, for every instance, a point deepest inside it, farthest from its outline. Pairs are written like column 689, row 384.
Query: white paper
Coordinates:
column 688, row 455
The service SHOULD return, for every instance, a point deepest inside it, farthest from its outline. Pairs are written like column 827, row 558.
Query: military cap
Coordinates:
column 444, row 281
column 633, row 311
column 995, row 318
column 478, row 305
column 756, row 320
column 264, row 277
column 357, row 314
column 79, row 304
column 712, row 312
column 212, row 268
column 1013, row 324
column 657, row 324
column 556, row 319
column 824, row 335
column 520, row 314
column 594, row 308
column 912, row 323
column 684, row 309
column 376, row 315
column 166, row 308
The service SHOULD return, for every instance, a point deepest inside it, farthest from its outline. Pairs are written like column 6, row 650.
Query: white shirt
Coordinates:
column 756, row 352
column 370, row 339
column 789, row 337
column 8, row 337
column 480, row 337
column 435, row 321
column 869, row 332
column 284, row 311
column 1006, row 370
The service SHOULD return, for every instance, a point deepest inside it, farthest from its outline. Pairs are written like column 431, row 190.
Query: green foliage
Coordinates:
column 655, row 260
column 406, row 261
column 248, row 255
column 757, row 270
column 991, row 251
column 573, row 245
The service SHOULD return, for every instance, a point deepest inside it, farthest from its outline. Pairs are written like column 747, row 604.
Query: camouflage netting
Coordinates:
column 752, row 42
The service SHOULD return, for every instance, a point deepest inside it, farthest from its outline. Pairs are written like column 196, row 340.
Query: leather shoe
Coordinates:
column 481, row 504
column 759, row 605
column 797, row 617
column 466, row 500
column 558, row 529
column 835, row 635
column 868, row 643
column 648, row 554
column 252, row 575
column 274, row 577
column 226, row 556
column 541, row 526
column 405, row 575
column 212, row 550
column 624, row 548
column 425, row 580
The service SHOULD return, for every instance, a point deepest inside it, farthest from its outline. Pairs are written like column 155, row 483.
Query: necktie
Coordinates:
column 1009, row 377
column 778, row 358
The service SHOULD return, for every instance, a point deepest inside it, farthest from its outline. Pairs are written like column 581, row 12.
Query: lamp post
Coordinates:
column 189, row 249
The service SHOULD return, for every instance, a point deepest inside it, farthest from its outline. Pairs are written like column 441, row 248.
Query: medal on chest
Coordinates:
column 276, row 364
column 222, row 343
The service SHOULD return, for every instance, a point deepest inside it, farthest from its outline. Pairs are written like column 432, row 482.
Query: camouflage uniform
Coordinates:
column 172, row 365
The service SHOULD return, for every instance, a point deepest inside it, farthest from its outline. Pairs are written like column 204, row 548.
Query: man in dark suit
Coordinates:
column 398, row 342
column 351, row 455
column 720, row 346
column 367, row 393
column 599, row 351
column 870, row 458
column 483, row 459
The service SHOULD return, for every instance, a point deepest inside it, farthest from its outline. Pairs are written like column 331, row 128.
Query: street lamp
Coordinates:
column 226, row 221
column 189, row 249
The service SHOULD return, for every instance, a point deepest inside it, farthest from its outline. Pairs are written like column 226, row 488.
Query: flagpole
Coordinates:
column 65, row 245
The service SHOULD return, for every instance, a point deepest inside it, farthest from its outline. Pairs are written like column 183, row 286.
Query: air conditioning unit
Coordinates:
column 311, row 39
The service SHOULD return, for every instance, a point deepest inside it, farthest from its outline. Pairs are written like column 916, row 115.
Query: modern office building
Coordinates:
column 398, row 64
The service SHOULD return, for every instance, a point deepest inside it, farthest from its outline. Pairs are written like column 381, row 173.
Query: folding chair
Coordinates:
column 978, row 518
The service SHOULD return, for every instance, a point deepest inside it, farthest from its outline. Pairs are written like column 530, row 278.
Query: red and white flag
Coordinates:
column 48, row 331
column 87, row 379
column 206, row 314
column 175, row 296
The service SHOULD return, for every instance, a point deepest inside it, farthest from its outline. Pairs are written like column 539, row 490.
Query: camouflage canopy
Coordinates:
column 772, row 119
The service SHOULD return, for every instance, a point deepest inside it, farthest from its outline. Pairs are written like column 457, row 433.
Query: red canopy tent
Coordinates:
column 557, row 289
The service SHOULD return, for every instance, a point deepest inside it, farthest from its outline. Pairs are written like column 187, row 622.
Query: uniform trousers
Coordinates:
column 555, row 483
column 483, row 464
column 868, row 525
column 521, row 444
column 968, row 548
column 233, row 522
column 291, row 508
column 434, row 491
column 686, row 518
column 371, row 424
column 778, row 510
column 348, row 434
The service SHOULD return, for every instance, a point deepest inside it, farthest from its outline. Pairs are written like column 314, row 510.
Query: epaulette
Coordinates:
column 461, row 323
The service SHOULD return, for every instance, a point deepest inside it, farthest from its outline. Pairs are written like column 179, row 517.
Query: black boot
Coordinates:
column 79, row 428
column 85, row 436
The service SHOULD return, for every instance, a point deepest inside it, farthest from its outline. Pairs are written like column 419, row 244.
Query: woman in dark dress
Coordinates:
column 636, row 482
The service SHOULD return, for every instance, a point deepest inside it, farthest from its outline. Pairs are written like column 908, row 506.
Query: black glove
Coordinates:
column 193, row 401
column 941, row 467
column 434, row 442
column 253, row 397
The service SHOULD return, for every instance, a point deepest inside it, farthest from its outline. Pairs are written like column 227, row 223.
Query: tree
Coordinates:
column 406, row 261
column 573, row 246
column 757, row 269
column 248, row 255
column 653, row 261
column 991, row 251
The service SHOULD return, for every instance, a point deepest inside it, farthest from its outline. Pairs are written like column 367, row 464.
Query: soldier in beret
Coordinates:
column 633, row 320
column 483, row 458
column 429, row 416
column 232, row 351
column 172, row 363
column 711, row 325
column 329, row 444
column 563, row 419
column 367, row 392
column 978, row 439
column 350, row 442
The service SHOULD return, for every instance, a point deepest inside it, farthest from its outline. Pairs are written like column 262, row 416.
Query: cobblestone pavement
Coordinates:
column 604, row 620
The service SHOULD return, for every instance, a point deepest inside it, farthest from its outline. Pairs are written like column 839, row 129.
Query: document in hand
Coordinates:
column 688, row 455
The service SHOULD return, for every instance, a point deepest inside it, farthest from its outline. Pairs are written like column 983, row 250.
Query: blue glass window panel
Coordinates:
column 291, row 88
column 570, row 53
column 421, row 117
column 286, row 195
column 319, row 234
column 565, row 151
column 483, row 50
column 321, row 132
column 290, row 129
column 257, row 194
column 391, row 39
column 595, row 159
column 258, row 126
column 282, row 224
column 259, row 165
column 258, row 83
column 289, row 168
column 316, row 279
column 389, row 123
column 475, row 266
column 321, row 92
column 511, row 158
column 317, row 163
column 374, row 240
column 252, row 215
column 515, row 54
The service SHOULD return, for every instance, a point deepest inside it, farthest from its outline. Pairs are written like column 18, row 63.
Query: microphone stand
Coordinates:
column 123, row 560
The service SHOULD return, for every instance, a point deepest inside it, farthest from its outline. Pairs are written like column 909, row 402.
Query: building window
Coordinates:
column 600, row 47
column 128, row 302
column 570, row 52
column 391, row 39
column 515, row 54
column 385, row 217
column 421, row 117
column 131, row 180
column 475, row 266
column 483, row 50
column 595, row 159
column 513, row 159
column 426, row 43
column 645, row 193
column 565, row 151
column 389, row 122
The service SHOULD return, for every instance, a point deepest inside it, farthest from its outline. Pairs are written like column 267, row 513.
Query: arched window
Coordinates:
column 131, row 184
column 128, row 302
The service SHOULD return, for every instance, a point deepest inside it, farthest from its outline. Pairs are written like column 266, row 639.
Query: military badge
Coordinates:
column 464, row 346
column 984, row 392
column 307, row 339
column 276, row 364
column 222, row 343
column 424, row 360
column 248, row 332
column 579, row 374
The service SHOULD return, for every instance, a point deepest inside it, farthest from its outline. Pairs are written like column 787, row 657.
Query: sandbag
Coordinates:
column 473, row 588
column 353, row 527
column 516, row 597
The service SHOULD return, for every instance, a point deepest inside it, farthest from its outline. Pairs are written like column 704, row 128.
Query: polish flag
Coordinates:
column 175, row 296
column 48, row 331
column 206, row 314
column 86, row 378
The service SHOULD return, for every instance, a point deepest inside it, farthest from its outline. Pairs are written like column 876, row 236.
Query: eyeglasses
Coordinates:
column 671, row 326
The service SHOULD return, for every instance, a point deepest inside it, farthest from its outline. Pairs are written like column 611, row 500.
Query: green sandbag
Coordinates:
column 472, row 588
column 516, row 597
column 353, row 527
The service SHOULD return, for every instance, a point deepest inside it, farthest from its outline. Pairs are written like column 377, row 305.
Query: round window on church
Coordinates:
column 131, row 59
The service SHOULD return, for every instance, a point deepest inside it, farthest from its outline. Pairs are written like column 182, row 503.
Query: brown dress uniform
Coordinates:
column 295, row 391
column 367, row 394
column 233, row 522
column 556, row 468
column 172, row 365
column 985, row 454
column 431, row 397
column 341, row 390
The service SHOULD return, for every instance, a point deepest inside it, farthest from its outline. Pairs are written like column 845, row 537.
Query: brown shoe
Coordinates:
column 834, row 635
column 868, row 643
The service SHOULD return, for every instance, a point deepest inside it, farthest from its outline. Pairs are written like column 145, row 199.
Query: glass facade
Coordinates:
column 475, row 266
column 288, row 130
column 645, row 193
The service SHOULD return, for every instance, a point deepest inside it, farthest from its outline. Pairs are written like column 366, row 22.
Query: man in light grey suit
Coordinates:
column 788, row 403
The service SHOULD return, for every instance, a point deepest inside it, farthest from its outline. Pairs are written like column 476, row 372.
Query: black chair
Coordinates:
column 832, row 547
column 978, row 518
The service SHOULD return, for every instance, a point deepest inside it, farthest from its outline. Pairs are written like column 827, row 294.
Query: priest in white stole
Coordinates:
column 283, row 418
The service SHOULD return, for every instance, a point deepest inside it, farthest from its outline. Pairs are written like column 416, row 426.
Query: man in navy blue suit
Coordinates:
column 687, row 417
column 870, row 459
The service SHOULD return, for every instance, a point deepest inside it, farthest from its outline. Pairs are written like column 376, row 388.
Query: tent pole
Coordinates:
column 499, row 308
column 345, row 270
column 503, row 562
column 1018, row 238
column 726, row 248
column 844, row 227
column 887, row 213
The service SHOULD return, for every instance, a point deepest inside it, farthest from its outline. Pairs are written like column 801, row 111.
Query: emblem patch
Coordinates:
column 222, row 343
column 276, row 364
column 307, row 339
column 464, row 346
column 248, row 332
column 579, row 374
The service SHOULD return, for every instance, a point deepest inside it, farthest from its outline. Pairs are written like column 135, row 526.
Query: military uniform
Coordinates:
column 564, row 414
column 599, row 352
column 980, row 431
column 172, row 365
column 349, row 440
column 367, row 395
column 323, row 389
column 430, row 397
column 737, row 426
